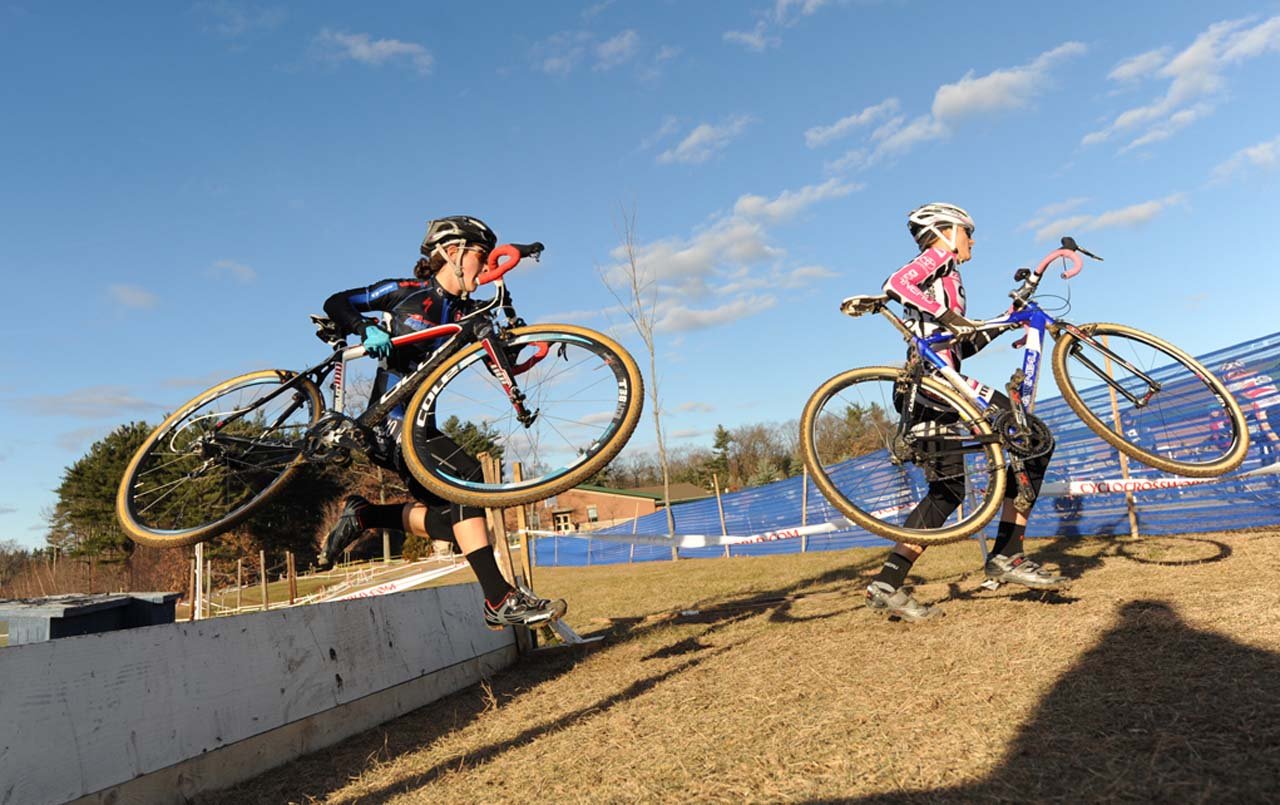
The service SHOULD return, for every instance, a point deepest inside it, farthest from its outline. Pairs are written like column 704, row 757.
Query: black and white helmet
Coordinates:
column 458, row 229
column 927, row 222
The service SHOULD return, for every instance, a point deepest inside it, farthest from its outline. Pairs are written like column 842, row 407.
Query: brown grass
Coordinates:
column 1156, row 678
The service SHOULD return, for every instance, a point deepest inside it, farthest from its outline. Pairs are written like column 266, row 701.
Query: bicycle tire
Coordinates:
column 1217, row 395
column 128, row 510
column 467, row 369
column 992, row 495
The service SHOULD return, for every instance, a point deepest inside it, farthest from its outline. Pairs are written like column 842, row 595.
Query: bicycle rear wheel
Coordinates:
column 847, row 435
column 584, row 388
column 1165, row 409
column 216, row 459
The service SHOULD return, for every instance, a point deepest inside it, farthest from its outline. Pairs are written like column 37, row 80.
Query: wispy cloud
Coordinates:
column 341, row 46
column 705, row 141
column 788, row 203
column 1264, row 155
column 233, row 270
column 1000, row 90
column 1140, row 66
column 234, row 20
column 757, row 39
column 1053, row 211
column 76, row 440
column 1132, row 215
column 132, row 296
column 616, row 50
column 821, row 135
column 93, row 402
column 1196, row 82
column 1008, row 88
column 728, row 269
column 670, row 124
column 783, row 14
column 7, row 510
column 700, row 407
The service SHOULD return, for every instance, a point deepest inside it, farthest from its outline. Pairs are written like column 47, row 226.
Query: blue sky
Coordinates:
column 182, row 184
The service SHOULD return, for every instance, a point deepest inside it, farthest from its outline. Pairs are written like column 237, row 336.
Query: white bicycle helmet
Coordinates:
column 926, row 223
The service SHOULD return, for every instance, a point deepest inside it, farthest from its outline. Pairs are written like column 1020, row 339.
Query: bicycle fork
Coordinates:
column 501, row 367
column 1025, row 497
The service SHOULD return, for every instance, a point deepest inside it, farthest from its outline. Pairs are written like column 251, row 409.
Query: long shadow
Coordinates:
column 483, row 755
column 1158, row 711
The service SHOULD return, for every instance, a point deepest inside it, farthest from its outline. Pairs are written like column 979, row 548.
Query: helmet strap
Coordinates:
column 456, row 266
column 951, row 245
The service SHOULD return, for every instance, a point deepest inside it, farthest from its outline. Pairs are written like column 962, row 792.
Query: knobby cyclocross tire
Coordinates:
column 969, row 522
column 585, row 389
column 1118, row 334
column 132, row 516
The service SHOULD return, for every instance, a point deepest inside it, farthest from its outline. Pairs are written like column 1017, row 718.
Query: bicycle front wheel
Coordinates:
column 1150, row 400
column 215, row 460
column 583, row 390
column 847, row 437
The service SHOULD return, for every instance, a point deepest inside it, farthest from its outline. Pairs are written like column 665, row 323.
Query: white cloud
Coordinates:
column 821, row 135
column 782, row 9
column 1133, row 215
column 728, row 269
column 131, row 296
column 704, row 141
column 678, row 318
column 1195, row 78
column 1136, row 67
column 93, row 402
column 1009, row 88
column 236, row 19
column 788, row 203
column 756, row 39
column 1264, row 155
column 1005, row 88
column 1052, row 211
column 338, row 46
column 236, row 271
column 7, row 510
column 616, row 50
column 700, row 407
column 669, row 125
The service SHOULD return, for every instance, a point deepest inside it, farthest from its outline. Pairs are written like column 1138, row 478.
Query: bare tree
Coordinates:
column 638, row 296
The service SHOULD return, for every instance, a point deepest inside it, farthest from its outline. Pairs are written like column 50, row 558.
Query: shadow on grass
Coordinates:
column 485, row 754
column 1157, row 711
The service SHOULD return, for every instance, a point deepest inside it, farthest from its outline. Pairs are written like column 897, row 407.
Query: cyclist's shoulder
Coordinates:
column 930, row 261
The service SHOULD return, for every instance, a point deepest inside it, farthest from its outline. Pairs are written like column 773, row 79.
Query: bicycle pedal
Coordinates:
column 990, row 584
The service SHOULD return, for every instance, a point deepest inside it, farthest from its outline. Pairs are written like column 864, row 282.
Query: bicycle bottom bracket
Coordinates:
column 1024, row 441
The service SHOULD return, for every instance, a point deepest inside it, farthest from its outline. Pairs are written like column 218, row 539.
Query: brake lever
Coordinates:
column 1070, row 243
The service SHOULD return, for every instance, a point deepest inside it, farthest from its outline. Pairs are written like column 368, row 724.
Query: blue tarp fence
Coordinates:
column 1079, row 497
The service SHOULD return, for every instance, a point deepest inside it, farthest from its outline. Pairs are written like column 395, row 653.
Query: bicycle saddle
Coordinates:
column 858, row 305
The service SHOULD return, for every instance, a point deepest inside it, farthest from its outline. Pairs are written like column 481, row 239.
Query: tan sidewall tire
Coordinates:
column 1225, row 464
column 144, row 536
column 972, row 524
column 540, row 491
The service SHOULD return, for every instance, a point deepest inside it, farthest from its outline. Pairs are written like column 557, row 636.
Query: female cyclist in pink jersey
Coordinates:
column 932, row 293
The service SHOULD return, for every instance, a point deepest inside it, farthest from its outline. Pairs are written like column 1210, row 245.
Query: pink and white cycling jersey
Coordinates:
column 927, row 287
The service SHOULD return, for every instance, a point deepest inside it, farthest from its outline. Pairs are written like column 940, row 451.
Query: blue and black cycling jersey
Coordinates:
column 413, row 305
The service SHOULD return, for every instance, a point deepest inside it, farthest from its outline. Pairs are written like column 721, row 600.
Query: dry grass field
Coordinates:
column 1155, row 678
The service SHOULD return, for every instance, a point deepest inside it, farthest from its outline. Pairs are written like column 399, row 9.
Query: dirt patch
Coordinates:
column 765, row 679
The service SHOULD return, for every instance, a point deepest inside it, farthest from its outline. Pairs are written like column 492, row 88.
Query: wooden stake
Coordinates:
column 724, row 531
column 191, row 592
column 1124, row 460
column 526, row 541
column 804, row 508
column 492, row 469
column 262, row 580
column 293, row 576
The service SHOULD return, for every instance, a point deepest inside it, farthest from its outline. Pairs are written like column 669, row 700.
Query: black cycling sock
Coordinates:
column 388, row 515
column 895, row 569
column 484, row 564
column 1009, row 539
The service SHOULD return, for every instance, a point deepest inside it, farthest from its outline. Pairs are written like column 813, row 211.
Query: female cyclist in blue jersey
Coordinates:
column 932, row 294
column 454, row 252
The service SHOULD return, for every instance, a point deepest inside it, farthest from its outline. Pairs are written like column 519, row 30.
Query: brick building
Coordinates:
column 586, row 508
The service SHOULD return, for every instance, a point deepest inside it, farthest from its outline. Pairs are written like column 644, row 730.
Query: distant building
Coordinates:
column 587, row 507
